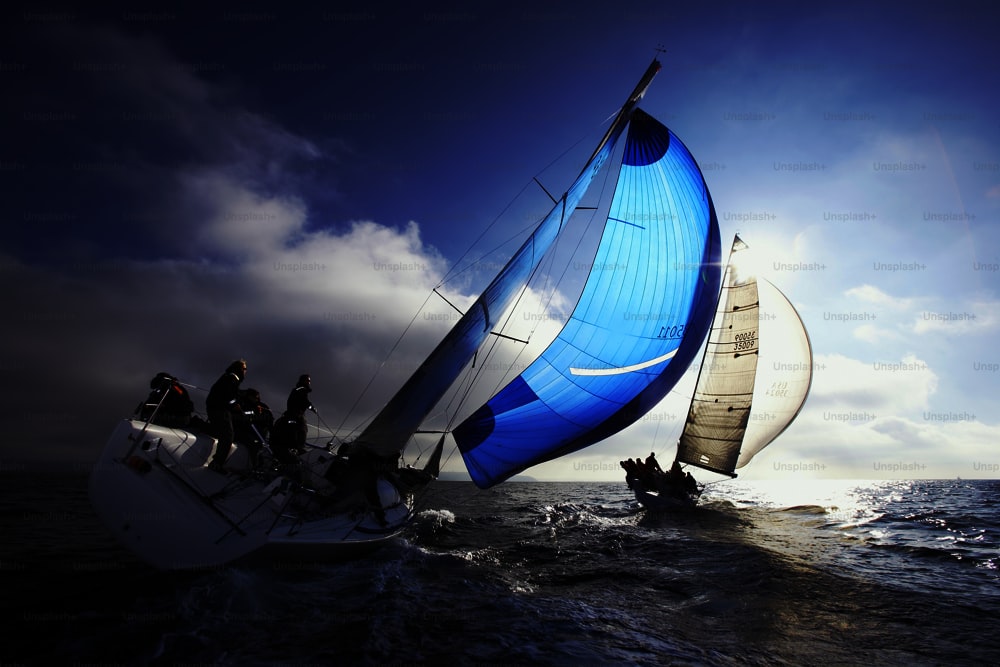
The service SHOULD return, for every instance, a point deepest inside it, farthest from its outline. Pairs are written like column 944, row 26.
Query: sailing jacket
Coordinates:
column 298, row 402
column 223, row 394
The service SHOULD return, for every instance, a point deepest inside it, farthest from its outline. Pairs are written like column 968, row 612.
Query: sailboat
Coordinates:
column 644, row 309
column 755, row 376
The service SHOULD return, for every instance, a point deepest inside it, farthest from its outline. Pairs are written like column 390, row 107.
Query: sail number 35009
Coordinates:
column 745, row 340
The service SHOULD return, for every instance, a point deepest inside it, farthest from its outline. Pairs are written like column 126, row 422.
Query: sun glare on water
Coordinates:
column 843, row 501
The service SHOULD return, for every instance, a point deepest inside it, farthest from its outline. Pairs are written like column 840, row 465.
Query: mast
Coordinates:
column 392, row 427
column 626, row 110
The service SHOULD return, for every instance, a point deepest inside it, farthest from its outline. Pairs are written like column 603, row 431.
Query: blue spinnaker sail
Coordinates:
column 639, row 322
column 389, row 431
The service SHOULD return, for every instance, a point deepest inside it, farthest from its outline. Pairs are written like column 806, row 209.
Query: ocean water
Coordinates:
column 762, row 573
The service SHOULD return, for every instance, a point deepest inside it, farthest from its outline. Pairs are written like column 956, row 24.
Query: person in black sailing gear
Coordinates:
column 631, row 473
column 168, row 404
column 298, row 399
column 647, row 475
column 288, row 438
column 691, row 484
column 257, row 412
column 221, row 405
column 674, row 482
column 254, row 423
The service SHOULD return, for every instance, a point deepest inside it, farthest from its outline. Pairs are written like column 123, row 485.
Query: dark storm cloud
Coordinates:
column 182, row 243
column 115, row 124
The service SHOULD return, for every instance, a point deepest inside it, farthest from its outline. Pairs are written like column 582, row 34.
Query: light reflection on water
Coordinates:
column 909, row 532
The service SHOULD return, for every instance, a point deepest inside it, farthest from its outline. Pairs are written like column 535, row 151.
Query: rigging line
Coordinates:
column 451, row 453
column 544, row 304
column 523, row 291
column 580, row 239
column 493, row 346
column 656, row 434
column 189, row 483
column 454, row 272
column 549, row 260
column 423, row 450
column 593, row 217
column 420, row 450
column 448, row 276
column 421, row 500
column 465, row 387
column 519, row 235
column 191, row 385
column 546, row 264
column 472, row 378
column 458, row 389
column 325, row 427
column 385, row 360
column 464, row 390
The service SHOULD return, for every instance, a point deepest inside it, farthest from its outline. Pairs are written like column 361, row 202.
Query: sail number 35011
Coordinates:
column 745, row 340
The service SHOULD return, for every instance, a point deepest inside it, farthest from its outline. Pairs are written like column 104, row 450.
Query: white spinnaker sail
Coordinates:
column 784, row 371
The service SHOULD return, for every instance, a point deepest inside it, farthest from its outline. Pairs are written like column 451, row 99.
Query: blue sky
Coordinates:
column 187, row 185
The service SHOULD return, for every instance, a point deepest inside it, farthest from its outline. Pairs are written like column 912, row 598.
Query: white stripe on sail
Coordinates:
column 623, row 369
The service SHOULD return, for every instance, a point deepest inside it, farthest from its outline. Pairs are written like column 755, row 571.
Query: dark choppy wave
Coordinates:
column 761, row 573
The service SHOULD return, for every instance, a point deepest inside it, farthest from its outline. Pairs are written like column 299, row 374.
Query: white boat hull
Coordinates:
column 152, row 489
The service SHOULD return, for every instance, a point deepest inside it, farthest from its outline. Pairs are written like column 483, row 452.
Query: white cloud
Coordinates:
column 891, row 386
column 240, row 223
column 873, row 295
column 901, row 320
column 873, row 334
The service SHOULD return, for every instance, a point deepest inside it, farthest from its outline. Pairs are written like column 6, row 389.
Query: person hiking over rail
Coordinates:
column 221, row 405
